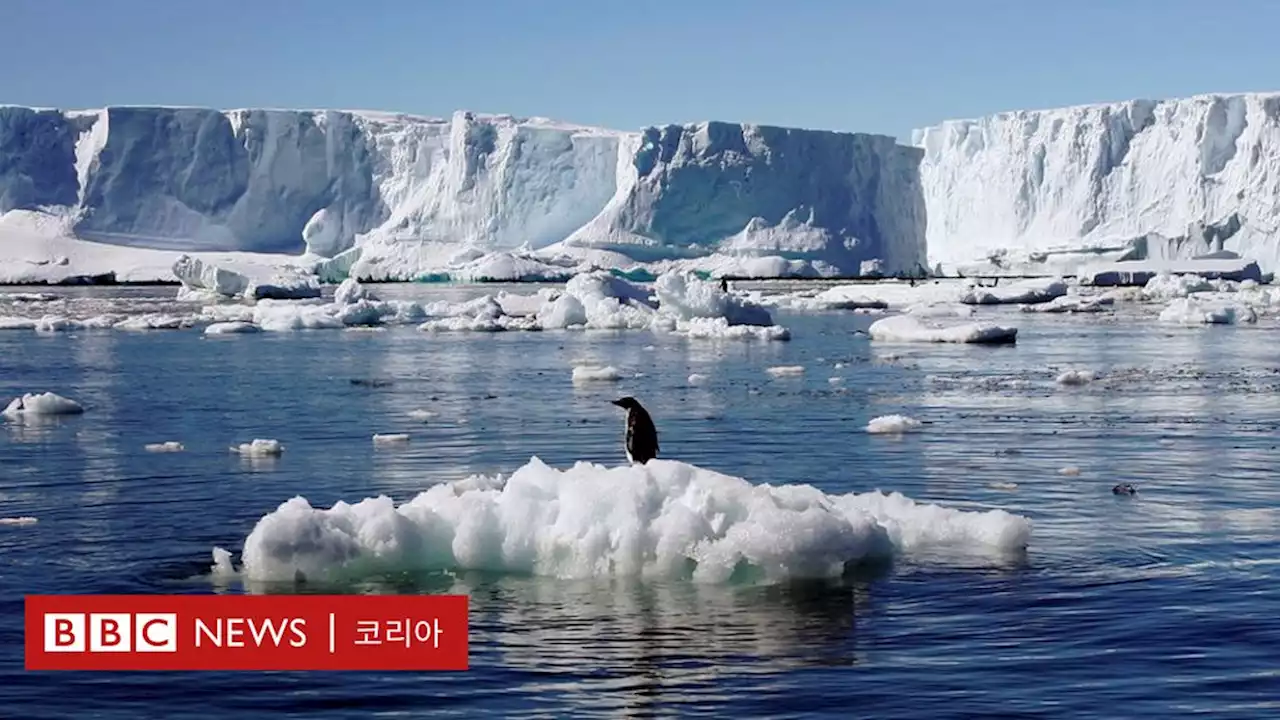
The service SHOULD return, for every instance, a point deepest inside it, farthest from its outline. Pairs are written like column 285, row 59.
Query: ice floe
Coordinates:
column 907, row 328
column 664, row 519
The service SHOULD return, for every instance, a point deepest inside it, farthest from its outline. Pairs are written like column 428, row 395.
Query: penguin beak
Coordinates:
column 616, row 402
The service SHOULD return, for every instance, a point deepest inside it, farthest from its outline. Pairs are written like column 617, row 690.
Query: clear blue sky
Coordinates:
column 864, row 65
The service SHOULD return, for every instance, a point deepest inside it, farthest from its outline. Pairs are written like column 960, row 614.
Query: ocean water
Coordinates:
column 1161, row 604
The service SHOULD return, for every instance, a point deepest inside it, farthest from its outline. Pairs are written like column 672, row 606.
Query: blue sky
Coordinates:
column 863, row 65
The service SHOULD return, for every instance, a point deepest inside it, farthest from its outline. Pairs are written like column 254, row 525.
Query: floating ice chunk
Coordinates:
column 259, row 447
column 155, row 321
column 421, row 415
column 685, row 296
column 1069, row 470
column 283, row 316
column 231, row 328
column 664, row 519
column 46, row 403
column 1003, row 485
column 20, row 521
column 222, row 563
column 697, row 379
column 1073, row 304
column 196, row 274
column 1075, row 377
column 938, row 310
column 892, row 425
column 906, row 328
column 1167, row 286
column 1028, row 292
column 28, row 297
column 835, row 380
column 720, row 329
column 8, row 322
column 285, row 284
column 785, row 370
column 587, row 373
column 351, row 291
column 388, row 438
column 598, row 300
column 168, row 446
column 1190, row 311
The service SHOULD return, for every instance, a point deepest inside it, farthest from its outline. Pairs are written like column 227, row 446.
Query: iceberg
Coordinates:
column 1044, row 191
column 385, row 196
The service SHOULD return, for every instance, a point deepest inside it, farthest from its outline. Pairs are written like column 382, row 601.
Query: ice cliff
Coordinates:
column 1169, row 179
column 394, row 196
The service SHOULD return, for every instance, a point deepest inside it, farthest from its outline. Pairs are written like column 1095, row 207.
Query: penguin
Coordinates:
column 641, row 436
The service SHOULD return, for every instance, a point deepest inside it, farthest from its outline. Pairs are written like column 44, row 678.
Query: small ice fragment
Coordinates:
column 1069, row 470
column 391, row 438
column 168, row 446
column 835, row 380
column 1075, row 377
column 422, row 415
column 222, row 562
column 838, row 365
column 785, row 370
column 892, row 424
column 586, row 373
column 1166, row 441
column 259, row 447
column 234, row 327
column 1003, row 485
column 18, row 521
column 697, row 378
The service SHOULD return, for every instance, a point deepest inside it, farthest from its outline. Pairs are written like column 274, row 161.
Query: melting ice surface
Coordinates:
column 665, row 518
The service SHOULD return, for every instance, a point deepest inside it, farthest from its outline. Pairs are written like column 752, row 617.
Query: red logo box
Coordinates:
column 246, row 632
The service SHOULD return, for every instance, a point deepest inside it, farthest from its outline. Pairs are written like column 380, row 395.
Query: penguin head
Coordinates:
column 628, row 403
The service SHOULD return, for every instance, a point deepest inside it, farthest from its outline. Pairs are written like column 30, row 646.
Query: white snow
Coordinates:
column 46, row 403
column 664, row 519
column 907, row 328
column 892, row 424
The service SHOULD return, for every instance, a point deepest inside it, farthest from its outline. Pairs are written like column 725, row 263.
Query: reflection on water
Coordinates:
column 1135, row 606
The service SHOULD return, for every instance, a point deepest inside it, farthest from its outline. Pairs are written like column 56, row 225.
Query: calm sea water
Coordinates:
column 1162, row 604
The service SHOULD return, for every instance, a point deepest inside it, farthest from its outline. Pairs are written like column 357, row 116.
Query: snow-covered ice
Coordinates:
column 664, row 519
column 259, row 447
column 1075, row 377
column 390, row 438
column 907, row 328
column 1193, row 311
column 46, row 403
column 785, row 370
column 590, row 373
column 892, row 424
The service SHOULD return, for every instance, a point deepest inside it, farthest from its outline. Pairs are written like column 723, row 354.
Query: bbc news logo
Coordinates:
column 110, row 632
column 246, row 632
